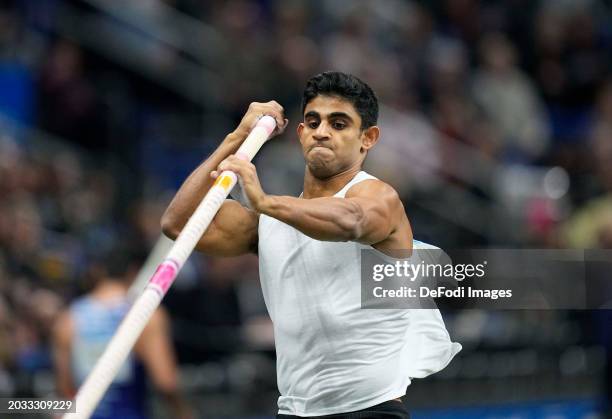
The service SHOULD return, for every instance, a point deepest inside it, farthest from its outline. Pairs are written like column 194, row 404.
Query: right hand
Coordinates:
column 256, row 111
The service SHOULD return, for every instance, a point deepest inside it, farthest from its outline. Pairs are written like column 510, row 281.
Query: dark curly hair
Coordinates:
column 345, row 86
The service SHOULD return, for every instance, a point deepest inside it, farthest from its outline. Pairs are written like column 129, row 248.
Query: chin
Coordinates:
column 320, row 170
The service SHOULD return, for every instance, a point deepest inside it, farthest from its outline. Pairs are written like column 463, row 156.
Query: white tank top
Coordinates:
column 333, row 356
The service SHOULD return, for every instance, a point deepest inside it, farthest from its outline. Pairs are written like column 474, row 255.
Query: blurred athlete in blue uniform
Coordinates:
column 85, row 328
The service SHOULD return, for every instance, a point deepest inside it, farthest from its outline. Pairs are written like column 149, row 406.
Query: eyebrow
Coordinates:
column 315, row 114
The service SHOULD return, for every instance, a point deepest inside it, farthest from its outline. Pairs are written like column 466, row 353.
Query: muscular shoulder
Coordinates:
column 381, row 204
column 374, row 189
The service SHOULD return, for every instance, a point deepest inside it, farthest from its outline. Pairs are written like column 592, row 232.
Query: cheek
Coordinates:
column 302, row 137
column 353, row 145
column 302, row 143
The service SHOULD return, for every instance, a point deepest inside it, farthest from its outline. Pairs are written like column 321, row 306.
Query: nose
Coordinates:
column 322, row 132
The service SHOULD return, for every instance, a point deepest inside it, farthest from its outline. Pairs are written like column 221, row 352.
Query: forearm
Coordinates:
column 195, row 187
column 63, row 377
column 328, row 219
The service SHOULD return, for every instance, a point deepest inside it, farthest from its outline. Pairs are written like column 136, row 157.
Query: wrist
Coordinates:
column 265, row 204
column 238, row 135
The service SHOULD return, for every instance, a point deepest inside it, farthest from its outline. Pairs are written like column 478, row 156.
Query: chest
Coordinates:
column 285, row 252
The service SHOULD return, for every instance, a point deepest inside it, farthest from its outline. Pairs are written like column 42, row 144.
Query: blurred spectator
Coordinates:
column 571, row 59
column 510, row 101
column 582, row 229
column 67, row 102
column 408, row 137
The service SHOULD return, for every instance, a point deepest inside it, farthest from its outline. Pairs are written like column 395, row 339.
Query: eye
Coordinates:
column 312, row 124
column 338, row 125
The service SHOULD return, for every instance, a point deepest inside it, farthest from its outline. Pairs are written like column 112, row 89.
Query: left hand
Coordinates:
column 247, row 176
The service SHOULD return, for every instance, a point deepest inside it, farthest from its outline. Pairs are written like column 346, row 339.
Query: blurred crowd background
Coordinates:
column 496, row 124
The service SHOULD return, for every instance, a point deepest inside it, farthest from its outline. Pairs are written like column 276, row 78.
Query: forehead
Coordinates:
column 325, row 105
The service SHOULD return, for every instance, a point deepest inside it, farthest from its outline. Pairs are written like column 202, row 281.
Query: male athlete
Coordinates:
column 85, row 328
column 334, row 359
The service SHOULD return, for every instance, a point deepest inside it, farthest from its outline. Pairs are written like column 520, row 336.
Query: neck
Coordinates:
column 318, row 188
column 109, row 290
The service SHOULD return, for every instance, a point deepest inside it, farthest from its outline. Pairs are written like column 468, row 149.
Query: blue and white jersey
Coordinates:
column 95, row 324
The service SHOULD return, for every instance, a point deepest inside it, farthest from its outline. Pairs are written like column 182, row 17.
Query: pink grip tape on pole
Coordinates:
column 164, row 276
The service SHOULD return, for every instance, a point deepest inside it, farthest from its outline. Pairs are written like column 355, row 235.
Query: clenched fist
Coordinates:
column 255, row 112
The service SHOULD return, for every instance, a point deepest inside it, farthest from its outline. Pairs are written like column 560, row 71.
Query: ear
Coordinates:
column 369, row 137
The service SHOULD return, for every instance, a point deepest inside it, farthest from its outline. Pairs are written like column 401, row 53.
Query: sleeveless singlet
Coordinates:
column 95, row 324
column 333, row 356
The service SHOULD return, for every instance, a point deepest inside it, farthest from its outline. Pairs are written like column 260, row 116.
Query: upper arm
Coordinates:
column 154, row 349
column 380, row 210
column 232, row 232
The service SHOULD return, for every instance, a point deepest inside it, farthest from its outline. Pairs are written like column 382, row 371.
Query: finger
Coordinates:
column 284, row 124
column 254, row 105
column 278, row 117
column 281, row 125
column 229, row 159
column 276, row 105
column 214, row 174
column 233, row 158
column 233, row 165
column 271, row 108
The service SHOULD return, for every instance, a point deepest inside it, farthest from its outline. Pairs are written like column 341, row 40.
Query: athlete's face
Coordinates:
column 331, row 136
